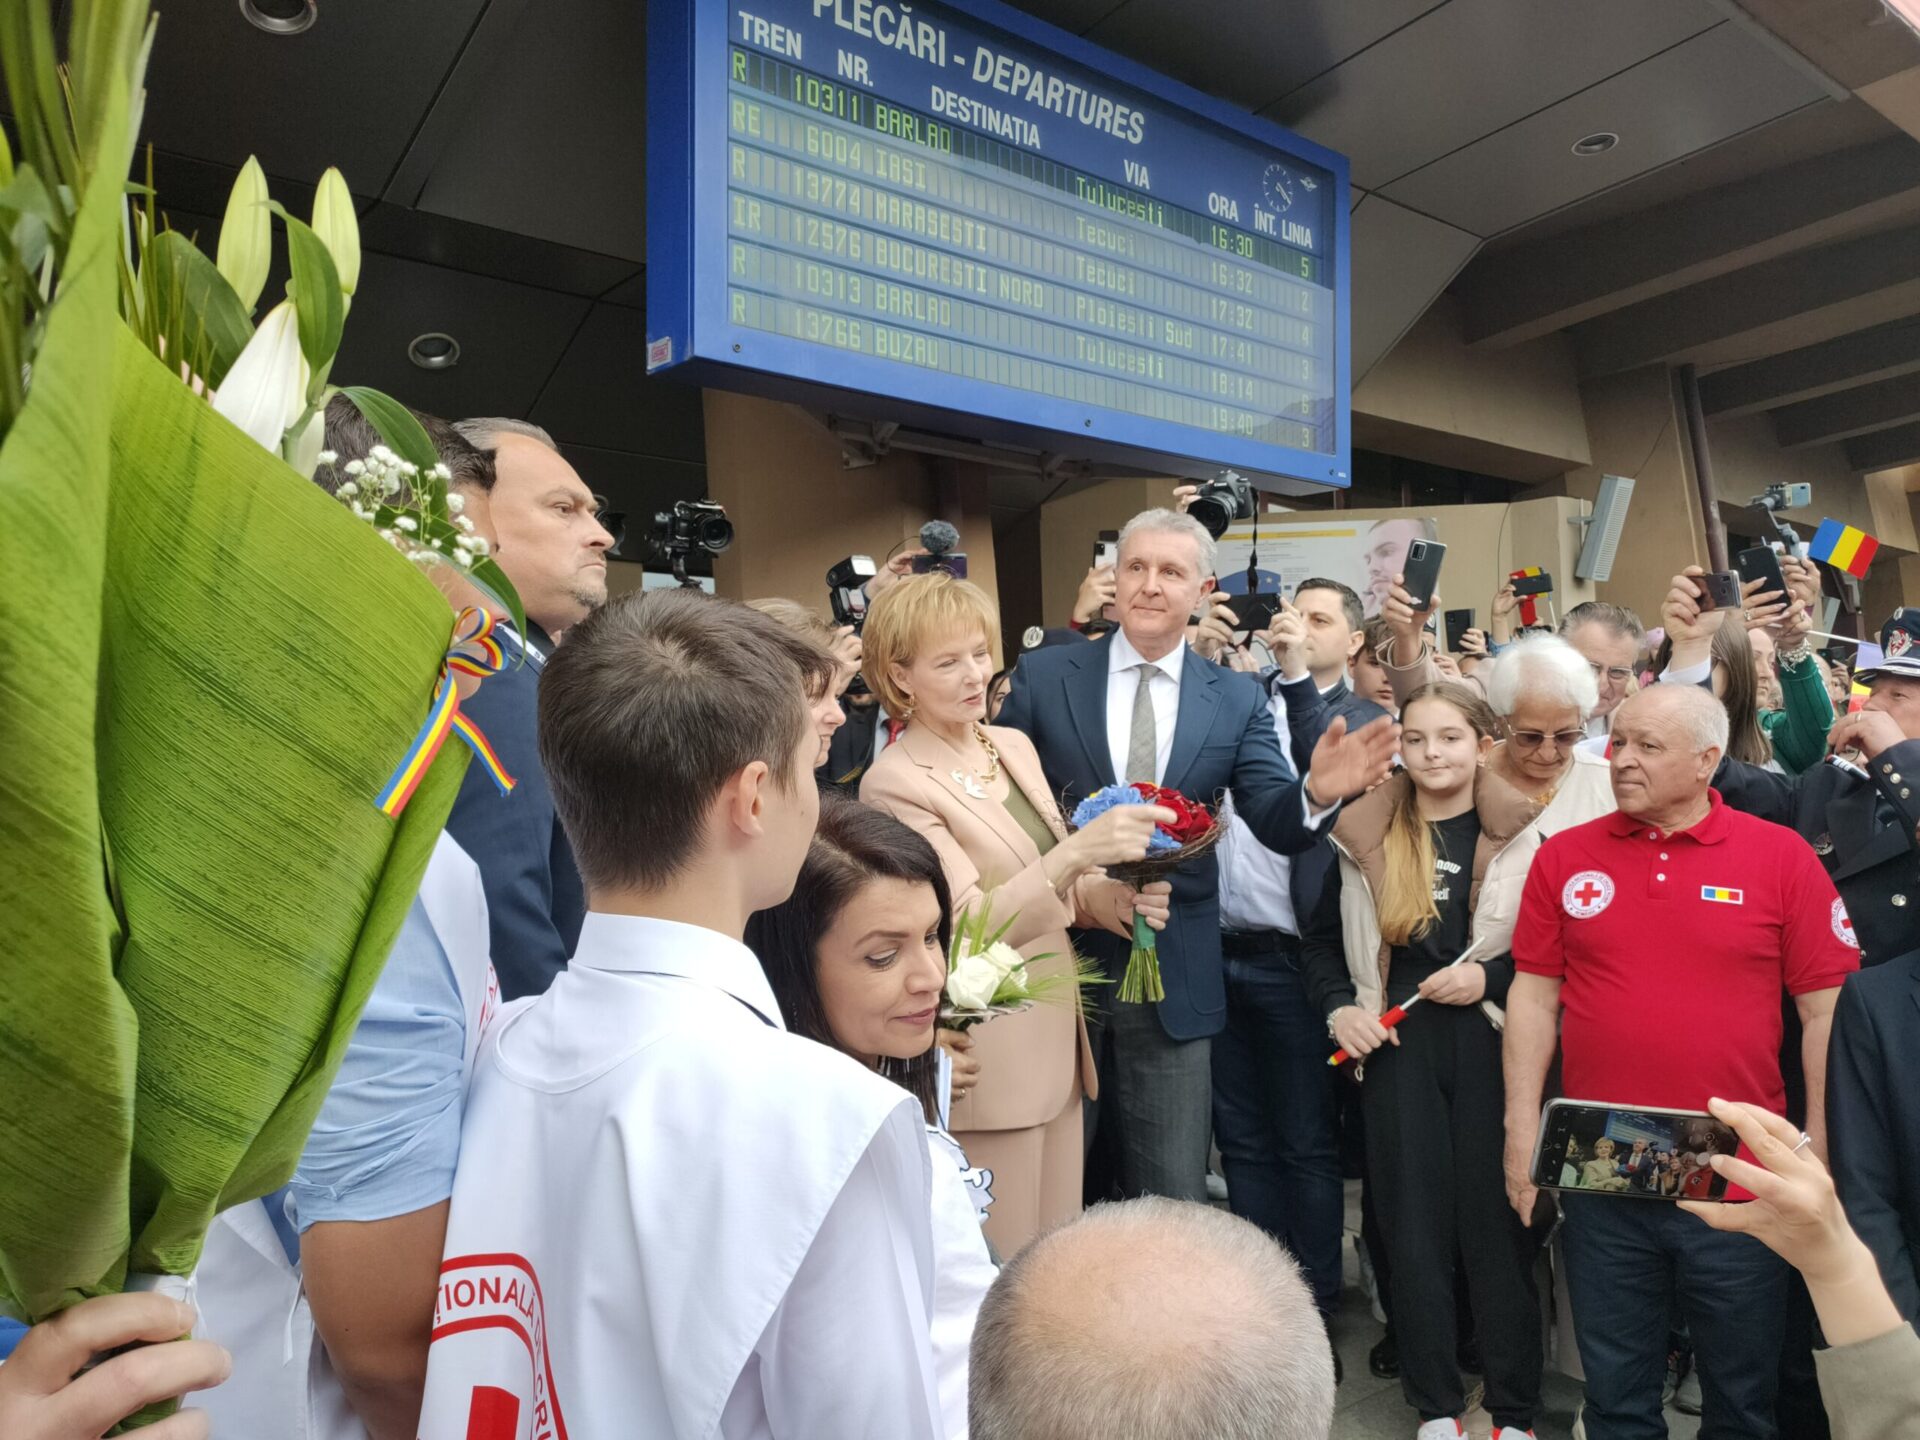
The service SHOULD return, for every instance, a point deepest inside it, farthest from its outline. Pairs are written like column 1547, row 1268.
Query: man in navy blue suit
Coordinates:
column 1139, row 705
column 554, row 550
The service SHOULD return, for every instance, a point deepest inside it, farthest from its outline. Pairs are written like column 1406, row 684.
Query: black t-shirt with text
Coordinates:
column 1453, row 845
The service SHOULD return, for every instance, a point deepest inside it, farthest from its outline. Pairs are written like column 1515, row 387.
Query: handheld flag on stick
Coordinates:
column 1843, row 547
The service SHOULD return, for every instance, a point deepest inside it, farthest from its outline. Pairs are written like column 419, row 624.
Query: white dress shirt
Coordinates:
column 673, row 1218
column 963, row 1272
column 1256, row 884
column 1123, row 684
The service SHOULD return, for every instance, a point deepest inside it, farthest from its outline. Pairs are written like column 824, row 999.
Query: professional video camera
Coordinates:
column 691, row 525
column 1221, row 501
column 938, row 538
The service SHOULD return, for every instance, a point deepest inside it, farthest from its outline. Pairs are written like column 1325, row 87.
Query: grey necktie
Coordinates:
column 1143, row 744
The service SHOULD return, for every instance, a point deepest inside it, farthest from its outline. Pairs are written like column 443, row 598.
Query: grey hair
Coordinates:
column 1616, row 619
column 486, row 431
column 1704, row 717
column 1045, row 1365
column 1542, row 667
column 1174, row 522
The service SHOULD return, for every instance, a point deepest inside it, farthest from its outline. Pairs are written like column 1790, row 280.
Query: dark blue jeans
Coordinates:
column 1273, row 1113
column 1626, row 1260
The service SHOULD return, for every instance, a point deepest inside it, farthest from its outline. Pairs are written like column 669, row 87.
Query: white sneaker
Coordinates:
column 1444, row 1429
column 1216, row 1188
column 1507, row 1432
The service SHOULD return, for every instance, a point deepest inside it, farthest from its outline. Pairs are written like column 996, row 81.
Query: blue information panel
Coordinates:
column 969, row 218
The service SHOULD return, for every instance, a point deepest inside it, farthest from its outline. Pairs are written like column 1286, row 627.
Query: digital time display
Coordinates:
column 970, row 217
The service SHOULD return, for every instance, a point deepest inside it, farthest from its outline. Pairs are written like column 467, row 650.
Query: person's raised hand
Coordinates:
column 1119, row 836
column 44, row 1395
column 1407, row 623
column 1097, row 591
column 1214, row 633
column 1868, row 731
column 1345, row 764
column 1360, row 1034
column 1242, row 658
column 1505, row 602
column 847, row 652
column 1456, row 985
column 1446, row 665
column 1681, row 612
column 1473, row 644
column 1764, row 609
column 1184, row 496
column 897, row 568
column 1286, row 637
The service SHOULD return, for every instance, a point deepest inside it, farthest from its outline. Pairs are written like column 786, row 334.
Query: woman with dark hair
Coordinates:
column 857, row 958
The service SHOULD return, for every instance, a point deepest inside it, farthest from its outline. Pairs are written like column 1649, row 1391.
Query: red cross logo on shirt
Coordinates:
column 1587, row 894
column 1843, row 925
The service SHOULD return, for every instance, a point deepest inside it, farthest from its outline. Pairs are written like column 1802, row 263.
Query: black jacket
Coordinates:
column 850, row 750
column 535, row 901
column 1308, row 715
column 1873, row 1119
column 1872, row 864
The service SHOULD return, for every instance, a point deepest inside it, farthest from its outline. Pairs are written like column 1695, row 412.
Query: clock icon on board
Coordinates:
column 1281, row 186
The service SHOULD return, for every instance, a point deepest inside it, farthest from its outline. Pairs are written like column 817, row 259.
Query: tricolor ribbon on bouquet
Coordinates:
column 475, row 652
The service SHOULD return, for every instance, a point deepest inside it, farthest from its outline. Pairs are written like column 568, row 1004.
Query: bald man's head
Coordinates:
column 1151, row 1320
column 1666, row 743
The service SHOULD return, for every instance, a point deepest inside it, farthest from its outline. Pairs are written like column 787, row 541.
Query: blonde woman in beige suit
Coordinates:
column 978, row 794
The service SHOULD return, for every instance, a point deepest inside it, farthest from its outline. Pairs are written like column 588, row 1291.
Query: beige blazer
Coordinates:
column 1028, row 1061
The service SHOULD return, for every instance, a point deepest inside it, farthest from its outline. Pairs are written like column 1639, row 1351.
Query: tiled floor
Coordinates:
column 1370, row 1409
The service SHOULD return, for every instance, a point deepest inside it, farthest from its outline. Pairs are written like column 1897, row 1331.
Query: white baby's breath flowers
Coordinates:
column 327, row 457
column 455, row 503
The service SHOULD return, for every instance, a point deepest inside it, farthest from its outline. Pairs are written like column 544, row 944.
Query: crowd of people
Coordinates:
column 653, row 1125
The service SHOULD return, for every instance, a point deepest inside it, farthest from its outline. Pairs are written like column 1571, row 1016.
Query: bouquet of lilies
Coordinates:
column 1193, row 833
column 987, row 977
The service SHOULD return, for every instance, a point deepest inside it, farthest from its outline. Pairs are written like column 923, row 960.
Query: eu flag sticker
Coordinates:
column 1722, row 896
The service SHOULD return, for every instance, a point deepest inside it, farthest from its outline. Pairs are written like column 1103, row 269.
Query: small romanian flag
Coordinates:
column 1843, row 547
column 1858, row 698
column 1720, row 895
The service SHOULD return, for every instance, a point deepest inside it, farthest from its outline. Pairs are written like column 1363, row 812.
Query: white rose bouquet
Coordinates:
column 988, row 977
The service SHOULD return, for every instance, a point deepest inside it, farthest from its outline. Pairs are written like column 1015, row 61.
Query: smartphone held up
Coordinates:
column 1647, row 1154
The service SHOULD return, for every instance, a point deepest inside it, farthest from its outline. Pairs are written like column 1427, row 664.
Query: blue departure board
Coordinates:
column 960, row 217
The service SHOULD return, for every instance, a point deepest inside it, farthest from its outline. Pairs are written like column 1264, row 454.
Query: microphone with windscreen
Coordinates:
column 938, row 538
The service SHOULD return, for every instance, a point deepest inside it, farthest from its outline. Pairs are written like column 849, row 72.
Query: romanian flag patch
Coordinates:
column 1720, row 895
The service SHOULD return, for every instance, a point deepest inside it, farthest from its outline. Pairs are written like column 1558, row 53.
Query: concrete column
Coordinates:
column 797, row 508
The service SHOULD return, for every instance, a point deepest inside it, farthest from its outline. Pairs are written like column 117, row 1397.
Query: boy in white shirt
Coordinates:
column 671, row 1217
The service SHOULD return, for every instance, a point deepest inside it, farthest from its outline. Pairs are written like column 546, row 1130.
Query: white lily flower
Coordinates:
column 266, row 389
column 338, row 228
column 246, row 235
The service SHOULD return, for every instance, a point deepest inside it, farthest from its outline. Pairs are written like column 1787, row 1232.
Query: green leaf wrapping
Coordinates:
column 195, row 309
column 403, row 434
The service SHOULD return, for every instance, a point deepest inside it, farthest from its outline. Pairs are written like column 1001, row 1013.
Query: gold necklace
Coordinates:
column 993, row 755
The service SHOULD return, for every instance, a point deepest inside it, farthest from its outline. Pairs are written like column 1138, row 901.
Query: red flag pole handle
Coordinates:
column 1392, row 1018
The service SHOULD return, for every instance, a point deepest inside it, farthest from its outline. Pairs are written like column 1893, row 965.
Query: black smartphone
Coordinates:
column 1600, row 1149
column 1760, row 563
column 1719, row 590
column 1541, row 584
column 1254, row 612
column 1458, row 623
column 1106, row 549
column 1421, row 572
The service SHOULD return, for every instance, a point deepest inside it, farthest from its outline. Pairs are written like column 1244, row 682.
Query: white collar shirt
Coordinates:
column 1123, row 683
column 672, row 1217
column 1256, row 884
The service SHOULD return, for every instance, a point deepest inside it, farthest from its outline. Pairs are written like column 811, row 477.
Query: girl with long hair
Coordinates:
column 1423, row 902
column 857, row 958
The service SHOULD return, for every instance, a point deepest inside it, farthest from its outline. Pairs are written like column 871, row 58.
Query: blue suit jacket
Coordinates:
column 535, row 901
column 1223, row 739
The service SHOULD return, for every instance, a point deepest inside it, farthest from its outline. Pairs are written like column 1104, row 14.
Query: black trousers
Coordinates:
column 1436, row 1128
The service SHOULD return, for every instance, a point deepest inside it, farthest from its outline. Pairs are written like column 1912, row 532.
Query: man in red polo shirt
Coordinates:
column 1674, row 909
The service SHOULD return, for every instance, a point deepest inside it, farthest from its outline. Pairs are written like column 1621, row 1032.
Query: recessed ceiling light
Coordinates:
column 1597, row 143
column 434, row 351
column 281, row 17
